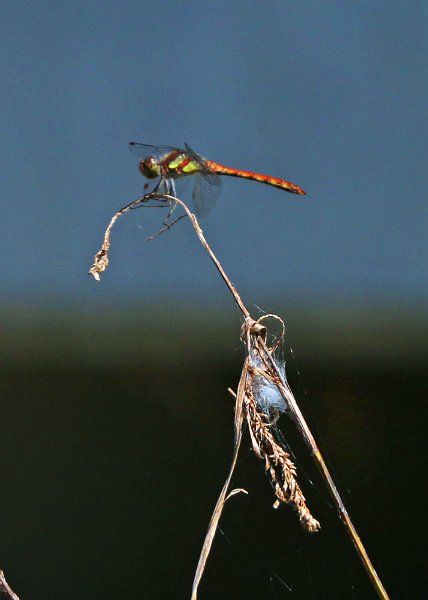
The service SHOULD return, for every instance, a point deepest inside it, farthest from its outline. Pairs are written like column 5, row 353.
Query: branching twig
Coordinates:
column 277, row 462
column 101, row 258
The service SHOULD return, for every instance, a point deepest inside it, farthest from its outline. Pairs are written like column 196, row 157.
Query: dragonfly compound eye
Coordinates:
column 149, row 167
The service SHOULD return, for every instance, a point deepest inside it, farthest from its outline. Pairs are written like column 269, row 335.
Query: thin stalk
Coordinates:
column 224, row 496
column 309, row 439
column 258, row 332
column 6, row 589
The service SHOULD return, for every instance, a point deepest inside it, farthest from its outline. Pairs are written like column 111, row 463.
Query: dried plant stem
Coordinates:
column 278, row 464
column 5, row 588
column 302, row 426
column 101, row 258
column 215, row 518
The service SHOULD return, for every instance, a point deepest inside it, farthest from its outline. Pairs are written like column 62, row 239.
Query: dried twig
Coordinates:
column 224, row 496
column 6, row 589
column 277, row 461
column 101, row 258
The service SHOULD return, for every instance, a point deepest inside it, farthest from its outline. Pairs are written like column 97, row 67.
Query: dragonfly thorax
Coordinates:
column 150, row 167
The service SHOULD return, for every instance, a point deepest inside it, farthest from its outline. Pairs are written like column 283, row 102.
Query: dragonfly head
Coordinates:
column 150, row 167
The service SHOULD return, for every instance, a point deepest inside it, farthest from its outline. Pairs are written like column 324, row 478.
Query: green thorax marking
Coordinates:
column 182, row 165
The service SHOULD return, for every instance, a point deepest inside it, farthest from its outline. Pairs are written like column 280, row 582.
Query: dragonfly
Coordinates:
column 169, row 164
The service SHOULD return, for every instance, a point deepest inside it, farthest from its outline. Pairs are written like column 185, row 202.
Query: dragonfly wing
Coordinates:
column 207, row 186
column 194, row 155
column 143, row 150
column 205, row 193
column 197, row 158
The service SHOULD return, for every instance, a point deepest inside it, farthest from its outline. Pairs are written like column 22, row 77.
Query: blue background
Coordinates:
column 331, row 96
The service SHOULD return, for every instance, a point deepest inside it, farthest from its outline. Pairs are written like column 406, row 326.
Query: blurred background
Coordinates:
column 116, row 425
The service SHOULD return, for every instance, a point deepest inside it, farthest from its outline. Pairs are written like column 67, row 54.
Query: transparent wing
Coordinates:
column 207, row 186
column 197, row 158
column 143, row 150
column 205, row 193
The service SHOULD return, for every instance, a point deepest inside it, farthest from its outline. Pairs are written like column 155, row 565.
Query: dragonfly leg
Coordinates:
column 170, row 190
column 166, row 227
column 165, row 185
column 162, row 186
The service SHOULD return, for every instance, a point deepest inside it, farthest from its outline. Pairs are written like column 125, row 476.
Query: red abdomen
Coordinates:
column 274, row 181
